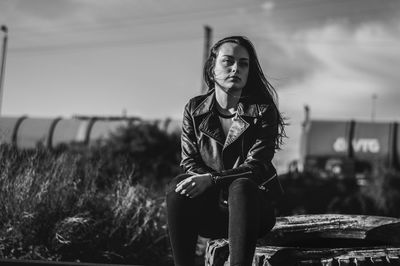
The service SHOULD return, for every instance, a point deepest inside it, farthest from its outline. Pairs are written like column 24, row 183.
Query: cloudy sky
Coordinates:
column 101, row 57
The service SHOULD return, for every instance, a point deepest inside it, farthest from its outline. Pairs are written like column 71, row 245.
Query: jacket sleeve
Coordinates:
column 257, row 164
column 191, row 159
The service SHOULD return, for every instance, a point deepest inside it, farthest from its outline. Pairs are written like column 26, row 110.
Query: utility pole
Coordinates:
column 306, row 115
column 207, row 46
column 3, row 62
column 373, row 107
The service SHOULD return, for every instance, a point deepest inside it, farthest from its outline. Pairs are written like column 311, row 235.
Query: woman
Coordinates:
column 229, row 137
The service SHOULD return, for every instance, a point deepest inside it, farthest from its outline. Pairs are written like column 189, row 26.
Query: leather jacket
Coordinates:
column 246, row 151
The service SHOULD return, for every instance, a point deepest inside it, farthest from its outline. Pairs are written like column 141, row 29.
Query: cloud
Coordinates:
column 46, row 9
column 312, row 13
column 343, row 67
column 268, row 5
column 285, row 63
column 353, row 64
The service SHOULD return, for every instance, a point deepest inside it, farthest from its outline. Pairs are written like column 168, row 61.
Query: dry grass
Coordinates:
column 83, row 205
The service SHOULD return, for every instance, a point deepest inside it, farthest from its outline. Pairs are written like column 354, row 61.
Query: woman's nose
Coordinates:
column 234, row 68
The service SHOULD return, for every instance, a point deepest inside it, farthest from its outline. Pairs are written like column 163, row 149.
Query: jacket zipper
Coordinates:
column 262, row 185
column 241, row 174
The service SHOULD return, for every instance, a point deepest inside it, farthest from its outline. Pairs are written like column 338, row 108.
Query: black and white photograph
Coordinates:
column 199, row 133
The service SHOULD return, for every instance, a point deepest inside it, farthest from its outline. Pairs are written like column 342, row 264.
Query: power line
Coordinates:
column 180, row 37
column 172, row 17
column 175, row 17
column 276, row 38
column 101, row 44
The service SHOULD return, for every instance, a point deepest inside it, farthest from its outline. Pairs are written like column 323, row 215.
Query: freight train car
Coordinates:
column 351, row 147
column 28, row 132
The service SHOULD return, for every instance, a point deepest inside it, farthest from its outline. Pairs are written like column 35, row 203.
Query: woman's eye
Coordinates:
column 244, row 64
column 227, row 61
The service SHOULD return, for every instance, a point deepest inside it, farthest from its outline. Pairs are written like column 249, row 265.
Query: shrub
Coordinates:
column 384, row 193
column 310, row 193
column 99, row 204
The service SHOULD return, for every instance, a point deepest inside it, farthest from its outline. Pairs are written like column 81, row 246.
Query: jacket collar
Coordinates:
column 244, row 109
column 210, row 124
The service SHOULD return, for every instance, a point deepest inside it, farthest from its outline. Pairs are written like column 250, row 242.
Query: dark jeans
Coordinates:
column 249, row 215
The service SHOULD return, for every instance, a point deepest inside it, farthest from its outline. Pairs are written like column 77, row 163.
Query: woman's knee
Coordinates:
column 243, row 185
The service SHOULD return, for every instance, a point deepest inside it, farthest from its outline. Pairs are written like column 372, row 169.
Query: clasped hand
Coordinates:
column 194, row 185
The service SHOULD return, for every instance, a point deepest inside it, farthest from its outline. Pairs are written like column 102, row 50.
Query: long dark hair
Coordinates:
column 257, row 86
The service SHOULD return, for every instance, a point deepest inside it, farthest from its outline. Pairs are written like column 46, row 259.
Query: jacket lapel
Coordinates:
column 208, row 120
column 212, row 128
column 210, row 125
column 239, row 126
column 249, row 112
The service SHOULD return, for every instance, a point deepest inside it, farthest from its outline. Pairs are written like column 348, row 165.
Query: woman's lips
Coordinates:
column 234, row 78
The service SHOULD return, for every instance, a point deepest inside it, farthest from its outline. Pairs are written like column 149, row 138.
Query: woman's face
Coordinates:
column 231, row 66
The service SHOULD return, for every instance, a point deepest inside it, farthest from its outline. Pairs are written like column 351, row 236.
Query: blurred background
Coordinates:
column 144, row 58
column 77, row 71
